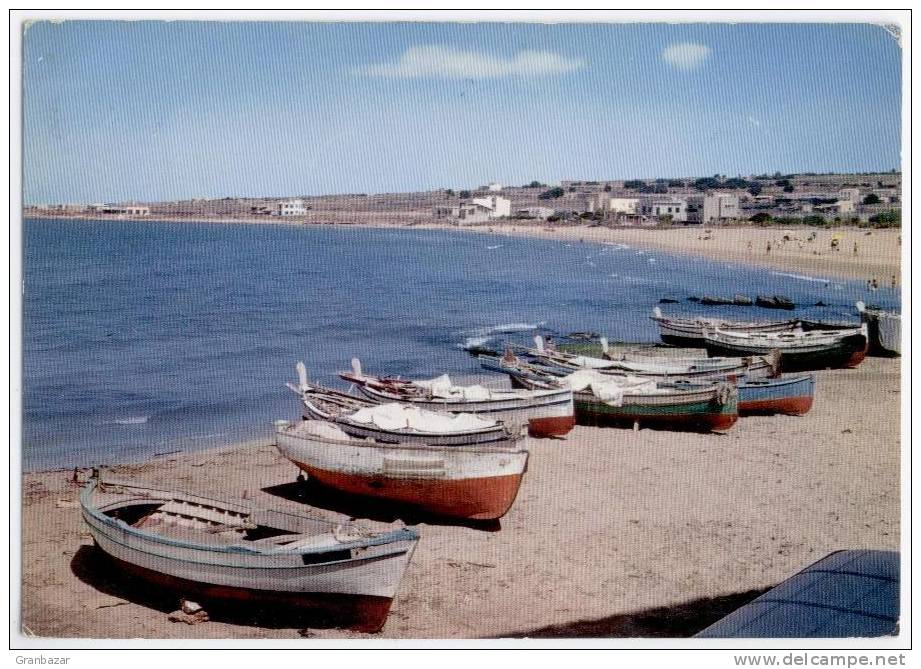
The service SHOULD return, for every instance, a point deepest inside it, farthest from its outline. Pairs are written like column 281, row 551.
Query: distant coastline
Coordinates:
column 878, row 250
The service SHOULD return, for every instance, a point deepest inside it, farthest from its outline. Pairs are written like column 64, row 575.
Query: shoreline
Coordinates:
column 614, row 533
column 879, row 250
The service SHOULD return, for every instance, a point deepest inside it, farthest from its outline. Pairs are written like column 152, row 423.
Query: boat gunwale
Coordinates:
column 93, row 510
column 498, row 426
column 364, row 443
column 207, row 549
column 363, row 381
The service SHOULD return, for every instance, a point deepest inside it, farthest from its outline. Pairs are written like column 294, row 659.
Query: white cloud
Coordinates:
column 686, row 55
column 447, row 63
column 755, row 122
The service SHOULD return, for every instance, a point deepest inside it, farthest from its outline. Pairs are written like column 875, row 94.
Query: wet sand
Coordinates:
column 614, row 533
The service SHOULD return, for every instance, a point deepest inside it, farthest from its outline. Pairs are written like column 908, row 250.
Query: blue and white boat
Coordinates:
column 224, row 552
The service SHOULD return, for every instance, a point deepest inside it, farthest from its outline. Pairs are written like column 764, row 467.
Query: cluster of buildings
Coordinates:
column 477, row 210
column 705, row 209
column 122, row 210
column 294, row 207
column 622, row 206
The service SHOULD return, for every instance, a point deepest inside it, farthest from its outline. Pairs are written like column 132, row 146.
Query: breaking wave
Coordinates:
column 801, row 277
column 482, row 336
column 130, row 420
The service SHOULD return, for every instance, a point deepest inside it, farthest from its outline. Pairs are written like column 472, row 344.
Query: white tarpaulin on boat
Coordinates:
column 608, row 389
column 400, row 416
column 440, row 384
column 320, row 428
column 591, row 363
column 442, row 387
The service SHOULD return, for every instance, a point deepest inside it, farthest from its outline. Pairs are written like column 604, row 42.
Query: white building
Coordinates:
column 290, row 208
column 849, row 195
column 659, row 206
column 499, row 207
column 846, row 206
column 121, row 210
column 465, row 213
column 542, row 213
column 623, row 205
column 494, row 187
column 713, row 208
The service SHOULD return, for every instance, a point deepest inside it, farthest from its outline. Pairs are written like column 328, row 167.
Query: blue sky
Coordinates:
column 155, row 111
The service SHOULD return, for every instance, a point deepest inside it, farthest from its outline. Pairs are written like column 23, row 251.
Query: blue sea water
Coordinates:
column 148, row 337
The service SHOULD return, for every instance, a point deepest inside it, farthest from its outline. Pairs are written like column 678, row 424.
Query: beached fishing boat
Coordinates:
column 478, row 482
column 689, row 331
column 547, row 413
column 791, row 395
column 662, row 368
column 885, row 330
column 221, row 551
column 609, row 400
column 394, row 422
column 799, row 351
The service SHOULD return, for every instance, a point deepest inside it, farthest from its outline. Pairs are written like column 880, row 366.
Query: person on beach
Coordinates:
column 767, row 250
column 855, row 249
column 893, row 281
column 749, row 247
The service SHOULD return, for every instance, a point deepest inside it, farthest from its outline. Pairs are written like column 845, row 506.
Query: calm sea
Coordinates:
column 143, row 337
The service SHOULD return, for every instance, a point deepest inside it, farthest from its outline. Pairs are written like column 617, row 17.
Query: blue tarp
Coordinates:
column 852, row 593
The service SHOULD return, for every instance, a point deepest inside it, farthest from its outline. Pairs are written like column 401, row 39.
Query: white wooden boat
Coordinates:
column 662, row 368
column 546, row 412
column 885, row 329
column 799, row 350
column 222, row 551
column 890, row 331
column 394, row 422
column 478, row 482
column 689, row 331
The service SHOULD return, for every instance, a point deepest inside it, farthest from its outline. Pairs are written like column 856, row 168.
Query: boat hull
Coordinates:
column 552, row 426
column 846, row 352
column 362, row 613
column 703, row 414
column 700, row 370
column 689, row 334
column 486, row 498
column 791, row 396
column 476, row 483
column 885, row 332
column 890, row 333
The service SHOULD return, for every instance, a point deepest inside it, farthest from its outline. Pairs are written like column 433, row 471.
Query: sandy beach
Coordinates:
column 878, row 251
column 614, row 533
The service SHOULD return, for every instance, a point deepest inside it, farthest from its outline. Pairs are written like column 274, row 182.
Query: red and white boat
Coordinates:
column 547, row 413
column 477, row 482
